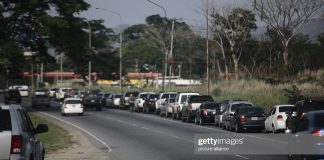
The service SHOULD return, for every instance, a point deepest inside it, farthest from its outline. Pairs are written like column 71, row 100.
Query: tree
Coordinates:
column 235, row 27
column 286, row 17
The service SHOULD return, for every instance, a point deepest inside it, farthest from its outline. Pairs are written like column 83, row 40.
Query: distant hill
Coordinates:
column 312, row 28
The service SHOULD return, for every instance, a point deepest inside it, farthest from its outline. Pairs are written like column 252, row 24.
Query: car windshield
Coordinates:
column 313, row 106
column 152, row 96
column 210, row 106
column 235, row 106
column 41, row 96
column 14, row 93
column 143, row 96
column 287, row 108
column 199, row 99
column 5, row 122
column 168, row 96
column 252, row 110
column 73, row 102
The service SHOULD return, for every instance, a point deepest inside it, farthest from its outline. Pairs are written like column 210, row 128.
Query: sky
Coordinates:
column 135, row 11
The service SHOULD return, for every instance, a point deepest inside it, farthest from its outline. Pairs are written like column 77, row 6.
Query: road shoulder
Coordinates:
column 82, row 147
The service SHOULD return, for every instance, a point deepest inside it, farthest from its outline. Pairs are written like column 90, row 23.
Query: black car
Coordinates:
column 302, row 108
column 308, row 142
column 41, row 100
column 206, row 112
column 12, row 95
column 149, row 104
column 92, row 100
column 248, row 118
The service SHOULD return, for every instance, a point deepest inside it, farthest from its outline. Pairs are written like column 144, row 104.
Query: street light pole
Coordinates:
column 120, row 48
column 165, row 68
column 89, row 79
column 171, row 58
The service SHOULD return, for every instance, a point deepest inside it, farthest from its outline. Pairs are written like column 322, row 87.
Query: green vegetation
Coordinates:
column 56, row 138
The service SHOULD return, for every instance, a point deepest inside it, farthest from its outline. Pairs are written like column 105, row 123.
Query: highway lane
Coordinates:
column 139, row 136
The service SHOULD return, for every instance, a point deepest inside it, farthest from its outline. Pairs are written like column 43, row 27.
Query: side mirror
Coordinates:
column 41, row 128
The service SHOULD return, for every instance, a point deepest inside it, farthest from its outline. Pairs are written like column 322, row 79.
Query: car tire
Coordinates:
column 80, row 114
column 98, row 108
column 196, row 120
column 178, row 116
column 161, row 113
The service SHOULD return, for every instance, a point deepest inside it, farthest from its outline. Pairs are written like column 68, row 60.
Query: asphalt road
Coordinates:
column 140, row 136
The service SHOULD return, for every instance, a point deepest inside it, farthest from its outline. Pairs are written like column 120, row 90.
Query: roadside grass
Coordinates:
column 56, row 138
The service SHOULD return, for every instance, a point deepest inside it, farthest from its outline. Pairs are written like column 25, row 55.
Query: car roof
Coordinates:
column 240, row 102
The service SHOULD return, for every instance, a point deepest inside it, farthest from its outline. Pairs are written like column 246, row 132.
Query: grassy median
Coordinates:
column 56, row 138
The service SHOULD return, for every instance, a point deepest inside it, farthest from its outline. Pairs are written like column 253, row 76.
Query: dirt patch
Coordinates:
column 81, row 148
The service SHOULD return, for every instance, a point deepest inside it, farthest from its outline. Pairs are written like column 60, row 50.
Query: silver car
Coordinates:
column 17, row 135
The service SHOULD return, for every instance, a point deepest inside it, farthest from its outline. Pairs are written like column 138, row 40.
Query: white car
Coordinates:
column 61, row 93
column 139, row 102
column 72, row 106
column 276, row 119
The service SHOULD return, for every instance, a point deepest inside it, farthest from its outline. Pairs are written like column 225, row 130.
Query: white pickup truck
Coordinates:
column 17, row 135
column 180, row 101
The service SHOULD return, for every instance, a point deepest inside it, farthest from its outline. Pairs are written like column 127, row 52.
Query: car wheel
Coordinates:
column 48, row 106
column 80, row 114
column 237, row 128
column 63, row 114
column 161, row 114
column 178, row 116
column 183, row 119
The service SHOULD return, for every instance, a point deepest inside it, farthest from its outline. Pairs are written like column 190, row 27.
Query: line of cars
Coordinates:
column 304, row 117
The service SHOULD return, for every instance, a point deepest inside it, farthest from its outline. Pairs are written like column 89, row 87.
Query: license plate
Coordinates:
column 254, row 118
column 92, row 101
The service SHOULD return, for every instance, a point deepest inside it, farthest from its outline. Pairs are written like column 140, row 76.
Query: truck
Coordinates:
column 180, row 101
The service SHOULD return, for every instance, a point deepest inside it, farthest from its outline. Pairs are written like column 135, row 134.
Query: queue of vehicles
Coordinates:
column 231, row 115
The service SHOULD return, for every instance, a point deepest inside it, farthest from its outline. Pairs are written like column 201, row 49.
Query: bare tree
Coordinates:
column 234, row 26
column 286, row 17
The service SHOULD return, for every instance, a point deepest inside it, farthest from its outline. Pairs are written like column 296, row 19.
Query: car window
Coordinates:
column 196, row 99
column 118, row 96
column 143, row 96
column 152, row 96
column 274, row 111
column 252, row 110
column 235, row 106
column 286, row 108
column 183, row 98
column 313, row 106
column 319, row 120
column 26, row 125
column 210, row 106
column 73, row 102
column 5, row 122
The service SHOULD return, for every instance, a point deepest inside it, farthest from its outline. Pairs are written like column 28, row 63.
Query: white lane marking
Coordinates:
column 241, row 156
column 84, row 130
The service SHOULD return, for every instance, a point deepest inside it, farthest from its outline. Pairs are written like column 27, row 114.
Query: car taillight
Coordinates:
column 190, row 105
column 242, row 118
column 318, row 132
column 279, row 118
column 16, row 144
column 205, row 111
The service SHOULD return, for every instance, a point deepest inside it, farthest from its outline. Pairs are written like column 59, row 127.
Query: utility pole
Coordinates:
column 171, row 58
column 207, row 45
column 89, row 78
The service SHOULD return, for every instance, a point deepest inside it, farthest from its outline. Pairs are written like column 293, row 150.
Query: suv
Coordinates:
column 12, row 95
column 149, row 104
column 230, row 109
column 192, row 105
column 17, row 134
column 179, row 103
column 139, row 102
column 302, row 108
column 128, row 99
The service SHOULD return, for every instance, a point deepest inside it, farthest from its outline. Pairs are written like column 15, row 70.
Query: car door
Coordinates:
column 269, row 120
column 28, row 135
